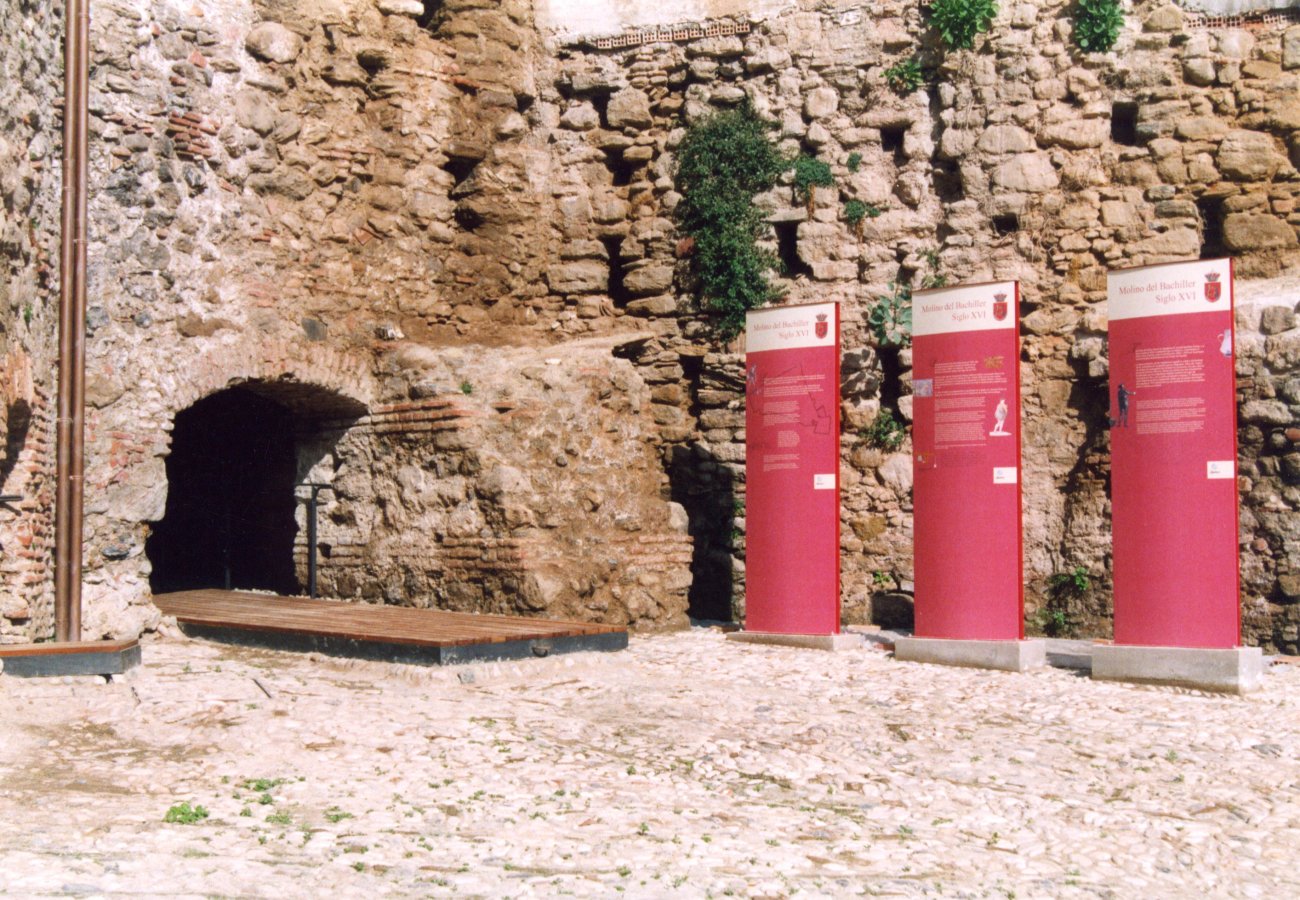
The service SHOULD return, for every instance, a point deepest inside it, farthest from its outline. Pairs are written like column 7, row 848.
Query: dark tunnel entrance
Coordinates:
column 229, row 521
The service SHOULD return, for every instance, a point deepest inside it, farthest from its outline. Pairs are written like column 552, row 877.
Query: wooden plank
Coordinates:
column 404, row 626
column 59, row 649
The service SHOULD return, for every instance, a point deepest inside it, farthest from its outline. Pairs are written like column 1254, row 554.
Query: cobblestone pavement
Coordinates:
column 682, row 767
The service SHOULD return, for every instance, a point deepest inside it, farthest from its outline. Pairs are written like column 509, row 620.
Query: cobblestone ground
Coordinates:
column 682, row 767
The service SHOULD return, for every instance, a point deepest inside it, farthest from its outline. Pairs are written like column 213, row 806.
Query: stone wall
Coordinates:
column 30, row 142
column 443, row 240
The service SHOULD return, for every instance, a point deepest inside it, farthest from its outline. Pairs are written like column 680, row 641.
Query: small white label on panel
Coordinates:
column 1220, row 468
column 1004, row 474
column 823, row 482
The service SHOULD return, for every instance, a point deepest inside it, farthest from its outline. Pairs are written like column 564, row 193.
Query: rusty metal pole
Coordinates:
column 72, row 326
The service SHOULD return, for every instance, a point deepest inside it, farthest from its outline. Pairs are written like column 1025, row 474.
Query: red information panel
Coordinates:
column 1173, row 444
column 966, row 462
column 792, row 470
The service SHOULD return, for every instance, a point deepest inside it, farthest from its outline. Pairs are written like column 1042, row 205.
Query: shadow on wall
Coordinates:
column 705, row 487
column 18, row 420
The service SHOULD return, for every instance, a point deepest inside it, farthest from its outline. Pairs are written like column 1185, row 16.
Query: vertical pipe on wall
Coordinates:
column 72, row 317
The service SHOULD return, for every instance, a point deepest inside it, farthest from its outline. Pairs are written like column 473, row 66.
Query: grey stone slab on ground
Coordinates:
column 1009, row 656
column 806, row 641
column 1237, row 670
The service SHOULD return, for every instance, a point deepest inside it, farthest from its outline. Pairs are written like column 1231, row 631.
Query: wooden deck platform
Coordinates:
column 389, row 633
column 52, row 659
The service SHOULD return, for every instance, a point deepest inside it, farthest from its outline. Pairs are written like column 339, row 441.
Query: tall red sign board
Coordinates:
column 1173, row 440
column 792, row 465
column 966, row 462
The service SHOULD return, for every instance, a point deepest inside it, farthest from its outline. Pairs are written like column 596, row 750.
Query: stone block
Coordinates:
column 1277, row 319
column 1201, row 128
column 1291, row 48
column 648, row 280
column 1176, row 243
column 1266, row 412
column 1007, row 656
column 1166, row 18
column 1076, row 135
column 629, row 108
column 1199, row 72
column 896, row 473
column 1006, row 139
column 580, row 117
column 1245, row 232
column 1237, row 670
column 767, row 59
column 1027, row 173
column 821, row 102
column 1248, row 156
column 272, row 42
column 254, row 111
column 582, row 277
column 662, row 305
column 412, row 8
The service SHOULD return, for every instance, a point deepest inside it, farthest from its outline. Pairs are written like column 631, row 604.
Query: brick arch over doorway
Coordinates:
column 331, row 381
column 246, row 434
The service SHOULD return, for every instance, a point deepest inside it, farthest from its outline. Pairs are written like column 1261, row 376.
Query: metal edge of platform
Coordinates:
column 86, row 661
column 410, row 654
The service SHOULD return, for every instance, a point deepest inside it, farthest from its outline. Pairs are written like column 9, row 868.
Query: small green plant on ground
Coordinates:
column 1097, row 24
column 810, row 173
column 904, row 77
column 261, row 785
column 466, row 388
column 890, row 318
column 335, row 815
column 185, row 814
column 958, row 21
column 885, row 433
column 723, row 162
column 854, row 161
column 280, row 818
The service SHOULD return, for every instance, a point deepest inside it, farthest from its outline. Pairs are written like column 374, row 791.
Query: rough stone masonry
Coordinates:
column 424, row 255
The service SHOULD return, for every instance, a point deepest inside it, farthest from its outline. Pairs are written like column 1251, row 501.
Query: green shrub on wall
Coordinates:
column 810, row 173
column 1097, row 24
column 958, row 21
column 722, row 163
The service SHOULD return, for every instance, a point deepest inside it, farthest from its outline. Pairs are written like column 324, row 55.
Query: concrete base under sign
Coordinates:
column 806, row 641
column 1009, row 656
column 1237, row 670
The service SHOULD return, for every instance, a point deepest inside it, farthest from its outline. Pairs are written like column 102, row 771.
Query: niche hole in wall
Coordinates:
column 787, row 250
column 621, row 170
column 947, row 182
column 431, row 18
column 1123, row 123
column 891, row 141
column 1007, row 223
column 617, row 292
column 1211, row 211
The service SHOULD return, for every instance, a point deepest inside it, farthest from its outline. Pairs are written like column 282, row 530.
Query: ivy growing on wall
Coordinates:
column 724, row 161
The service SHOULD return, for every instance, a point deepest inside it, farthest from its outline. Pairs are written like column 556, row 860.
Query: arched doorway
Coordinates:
column 229, row 520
